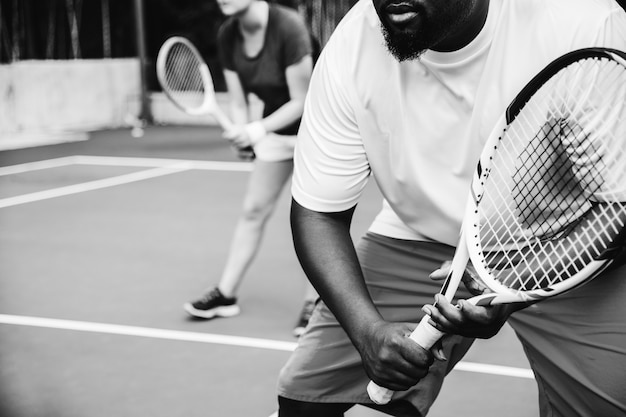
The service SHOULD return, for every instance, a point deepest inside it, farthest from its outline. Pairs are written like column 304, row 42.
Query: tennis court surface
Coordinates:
column 101, row 243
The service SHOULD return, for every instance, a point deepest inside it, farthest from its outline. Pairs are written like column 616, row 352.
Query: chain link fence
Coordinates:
column 322, row 16
column 94, row 29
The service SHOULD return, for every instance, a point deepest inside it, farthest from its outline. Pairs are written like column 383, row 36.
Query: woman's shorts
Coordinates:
column 274, row 147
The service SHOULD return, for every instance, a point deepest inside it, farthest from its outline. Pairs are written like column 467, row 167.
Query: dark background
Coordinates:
column 100, row 29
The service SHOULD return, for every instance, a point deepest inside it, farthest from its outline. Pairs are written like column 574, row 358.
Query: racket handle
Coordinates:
column 222, row 119
column 425, row 335
column 210, row 102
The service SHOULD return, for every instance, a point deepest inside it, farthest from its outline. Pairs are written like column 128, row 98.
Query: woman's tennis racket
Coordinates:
column 547, row 206
column 187, row 82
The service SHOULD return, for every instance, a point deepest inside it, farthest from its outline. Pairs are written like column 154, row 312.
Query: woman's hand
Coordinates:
column 245, row 136
column 237, row 136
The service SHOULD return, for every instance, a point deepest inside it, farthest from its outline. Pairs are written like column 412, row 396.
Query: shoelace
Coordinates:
column 211, row 295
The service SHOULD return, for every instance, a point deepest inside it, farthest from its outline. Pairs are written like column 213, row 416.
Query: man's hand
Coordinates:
column 466, row 319
column 470, row 278
column 391, row 359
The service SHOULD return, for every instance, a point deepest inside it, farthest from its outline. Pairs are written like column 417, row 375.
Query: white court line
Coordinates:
column 147, row 332
column 93, row 185
column 162, row 167
column 220, row 340
column 33, row 166
column 159, row 162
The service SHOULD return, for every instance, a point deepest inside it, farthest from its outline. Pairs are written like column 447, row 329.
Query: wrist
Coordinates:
column 361, row 332
column 255, row 131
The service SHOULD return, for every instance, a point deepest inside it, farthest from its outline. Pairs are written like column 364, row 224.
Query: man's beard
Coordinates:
column 411, row 43
column 405, row 45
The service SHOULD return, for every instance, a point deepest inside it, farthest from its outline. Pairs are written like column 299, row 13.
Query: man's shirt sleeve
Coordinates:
column 331, row 166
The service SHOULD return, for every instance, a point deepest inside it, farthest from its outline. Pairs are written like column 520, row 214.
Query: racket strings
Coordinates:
column 183, row 78
column 556, row 190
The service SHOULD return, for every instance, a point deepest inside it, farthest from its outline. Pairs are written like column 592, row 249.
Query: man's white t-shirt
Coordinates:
column 418, row 126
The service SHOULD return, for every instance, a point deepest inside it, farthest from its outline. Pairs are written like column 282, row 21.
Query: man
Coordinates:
column 406, row 92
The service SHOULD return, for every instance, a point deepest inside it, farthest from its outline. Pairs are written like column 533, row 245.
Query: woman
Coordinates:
column 265, row 50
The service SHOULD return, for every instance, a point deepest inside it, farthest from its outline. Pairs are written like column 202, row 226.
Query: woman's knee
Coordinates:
column 257, row 210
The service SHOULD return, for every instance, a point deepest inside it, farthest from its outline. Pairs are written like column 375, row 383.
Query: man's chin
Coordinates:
column 405, row 55
column 403, row 46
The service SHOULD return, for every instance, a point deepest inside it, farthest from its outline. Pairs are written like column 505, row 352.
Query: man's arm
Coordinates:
column 327, row 255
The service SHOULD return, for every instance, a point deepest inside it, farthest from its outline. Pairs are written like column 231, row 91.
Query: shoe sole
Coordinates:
column 225, row 311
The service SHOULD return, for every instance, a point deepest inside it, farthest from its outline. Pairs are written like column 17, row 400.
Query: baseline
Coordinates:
column 219, row 339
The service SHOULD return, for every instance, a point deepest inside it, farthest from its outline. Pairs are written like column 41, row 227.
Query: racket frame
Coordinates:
column 501, row 293
column 209, row 106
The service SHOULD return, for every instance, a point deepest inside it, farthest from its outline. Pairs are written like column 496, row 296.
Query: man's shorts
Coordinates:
column 576, row 345
column 325, row 367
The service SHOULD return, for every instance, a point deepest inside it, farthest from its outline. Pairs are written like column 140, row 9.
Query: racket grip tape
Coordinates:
column 425, row 335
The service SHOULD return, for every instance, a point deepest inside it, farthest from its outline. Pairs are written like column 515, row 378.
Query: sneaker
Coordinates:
column 213, row 304
column 305, row 316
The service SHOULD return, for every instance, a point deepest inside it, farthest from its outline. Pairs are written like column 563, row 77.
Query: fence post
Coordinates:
column 145, row 114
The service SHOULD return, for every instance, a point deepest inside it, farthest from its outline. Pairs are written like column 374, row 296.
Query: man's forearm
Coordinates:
column 327, row 255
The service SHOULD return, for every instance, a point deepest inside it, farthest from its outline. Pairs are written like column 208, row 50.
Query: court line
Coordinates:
column 37, row 165
column 94, row 185
column 238, row 341
column 125, row 161
column 159, row 162
column 162, row 166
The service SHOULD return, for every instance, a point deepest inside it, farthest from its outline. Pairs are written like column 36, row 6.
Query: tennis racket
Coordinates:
column 547, row 205
column 187, row 82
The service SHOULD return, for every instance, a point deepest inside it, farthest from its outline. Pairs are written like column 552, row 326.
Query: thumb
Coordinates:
column 441, row 273
column 228, row 134
column 437, row 351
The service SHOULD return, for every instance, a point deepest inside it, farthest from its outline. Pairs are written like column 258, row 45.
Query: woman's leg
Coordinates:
column 266, row 182
column 265, row 185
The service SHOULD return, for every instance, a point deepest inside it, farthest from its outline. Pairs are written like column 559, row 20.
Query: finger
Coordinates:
column 398, row 375
column 448, row 317
column 479, row 314
column 442, row 272
column 437, row 351
column 229, row 134
column 405, row 364
column 438, row 320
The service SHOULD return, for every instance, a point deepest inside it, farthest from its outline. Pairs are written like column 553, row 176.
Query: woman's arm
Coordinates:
column 237, row 103
column 246, row 132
